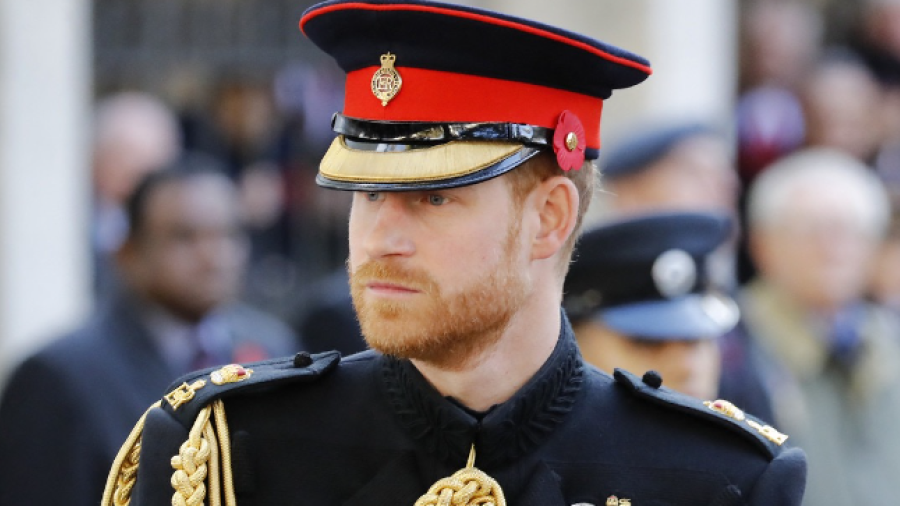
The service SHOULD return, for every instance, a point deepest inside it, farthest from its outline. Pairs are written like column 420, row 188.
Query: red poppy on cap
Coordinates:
column 568, row 141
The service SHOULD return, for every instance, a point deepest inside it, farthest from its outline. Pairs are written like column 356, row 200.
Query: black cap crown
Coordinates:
column 646, row 277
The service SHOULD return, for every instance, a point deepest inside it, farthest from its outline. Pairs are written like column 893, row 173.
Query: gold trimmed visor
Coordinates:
column 360, row 165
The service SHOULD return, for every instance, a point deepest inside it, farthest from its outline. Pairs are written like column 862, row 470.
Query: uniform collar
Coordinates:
column 503, row 434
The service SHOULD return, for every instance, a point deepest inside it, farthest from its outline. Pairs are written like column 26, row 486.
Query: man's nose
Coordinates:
column 390, row 232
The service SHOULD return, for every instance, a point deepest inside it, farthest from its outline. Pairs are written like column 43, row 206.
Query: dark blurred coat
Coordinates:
column 66, row 410
column 370, row 430
column 327, row 320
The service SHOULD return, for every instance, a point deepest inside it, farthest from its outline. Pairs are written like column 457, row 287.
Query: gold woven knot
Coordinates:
column 190, row 466
column 467, row 487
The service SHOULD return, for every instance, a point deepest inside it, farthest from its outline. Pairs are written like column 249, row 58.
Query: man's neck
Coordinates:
column 502, row 369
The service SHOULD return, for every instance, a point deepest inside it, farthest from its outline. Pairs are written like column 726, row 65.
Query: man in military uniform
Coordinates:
column 464, row 136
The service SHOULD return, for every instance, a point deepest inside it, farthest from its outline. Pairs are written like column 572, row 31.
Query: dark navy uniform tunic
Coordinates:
column 370, row 430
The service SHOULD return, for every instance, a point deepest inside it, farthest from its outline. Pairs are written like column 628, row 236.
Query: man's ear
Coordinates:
column 556, row 202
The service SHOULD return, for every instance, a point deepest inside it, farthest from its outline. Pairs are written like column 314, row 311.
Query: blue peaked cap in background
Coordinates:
column 640, row 149
column 645, row 277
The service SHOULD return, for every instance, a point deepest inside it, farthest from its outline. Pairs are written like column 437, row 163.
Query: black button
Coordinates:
column 302, row 359
column 652, row 379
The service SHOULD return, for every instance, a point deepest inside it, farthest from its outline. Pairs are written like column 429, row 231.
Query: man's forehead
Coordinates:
column 197, row 196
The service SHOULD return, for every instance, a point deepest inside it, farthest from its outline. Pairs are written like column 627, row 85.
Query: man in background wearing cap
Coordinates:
column 464, row 136
column 686, row 166
column 678, row 166
column 639, row 298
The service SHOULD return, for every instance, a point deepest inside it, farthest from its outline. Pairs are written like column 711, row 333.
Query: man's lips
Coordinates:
column 386, row 288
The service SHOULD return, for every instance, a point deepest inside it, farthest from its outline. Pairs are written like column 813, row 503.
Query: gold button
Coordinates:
column 571, row 141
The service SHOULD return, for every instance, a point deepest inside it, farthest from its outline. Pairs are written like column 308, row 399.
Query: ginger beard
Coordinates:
column 447, row 330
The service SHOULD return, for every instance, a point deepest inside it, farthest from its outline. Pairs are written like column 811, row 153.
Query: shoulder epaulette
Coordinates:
column 191, row 393
column 721, row 412
column 195, row 400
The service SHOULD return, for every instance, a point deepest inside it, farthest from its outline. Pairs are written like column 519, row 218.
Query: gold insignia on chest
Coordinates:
column 615, row 501
column 469, row 486
column 726, row 408
column 231, row 373
column 386, row 82
column 184, row 393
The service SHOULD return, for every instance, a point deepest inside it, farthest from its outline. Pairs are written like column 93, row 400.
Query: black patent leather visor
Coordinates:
column 425, row 133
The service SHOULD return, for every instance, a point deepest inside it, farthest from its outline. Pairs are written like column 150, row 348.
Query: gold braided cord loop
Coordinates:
column 225, row 446
column 123, row 473
column 203, row 456
column 467, row 487
column 215, row 494
column 203, row 460
column 127, row 476
column 190, row 465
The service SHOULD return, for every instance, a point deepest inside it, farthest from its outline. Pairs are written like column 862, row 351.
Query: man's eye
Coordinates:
column 437, row 200
column 373, row 196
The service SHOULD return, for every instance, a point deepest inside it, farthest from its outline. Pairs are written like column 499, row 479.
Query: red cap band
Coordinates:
column 437, row 96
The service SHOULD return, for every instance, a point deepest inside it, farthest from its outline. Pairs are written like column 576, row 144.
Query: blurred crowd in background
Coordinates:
column 811, row 74
column 233, row 81
column 808, row 169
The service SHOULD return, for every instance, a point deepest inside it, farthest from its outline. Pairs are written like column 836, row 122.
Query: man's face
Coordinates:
column 190, row 255
column 436, row 275
column 689, row 366
column 820, row 250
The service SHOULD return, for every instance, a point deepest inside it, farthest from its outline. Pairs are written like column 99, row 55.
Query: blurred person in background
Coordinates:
column 884, row 283
column 842, row 106
column 134, row 133
column 779, row 42
column 682, row 166
column 877, row 41
column 830, row 358
column 687, row 166
column 639, row 298
column 678, row 166
column 67, row 409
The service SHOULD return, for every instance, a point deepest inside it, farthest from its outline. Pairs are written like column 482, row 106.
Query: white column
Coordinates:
column 694, row 46
column 45, row 75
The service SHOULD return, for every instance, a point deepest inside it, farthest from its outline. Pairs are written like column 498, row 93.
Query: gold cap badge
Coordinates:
column 386, row 82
